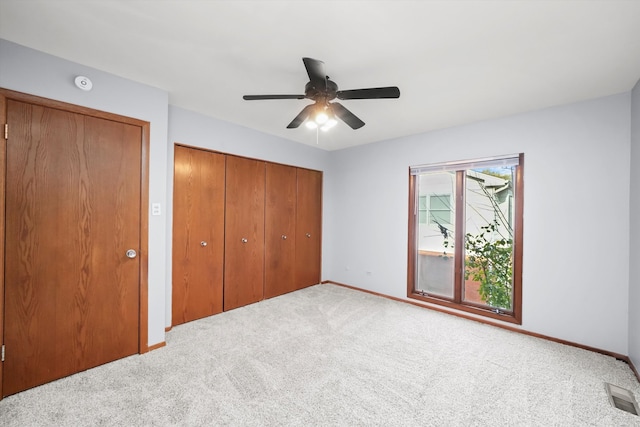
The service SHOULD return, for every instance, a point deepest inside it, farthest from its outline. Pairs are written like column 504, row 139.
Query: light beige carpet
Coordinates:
column 328, row 355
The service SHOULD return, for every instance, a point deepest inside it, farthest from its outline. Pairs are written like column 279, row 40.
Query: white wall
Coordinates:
column 634, row 215
column 193, row 129
column 27, row 70
column 575, row 277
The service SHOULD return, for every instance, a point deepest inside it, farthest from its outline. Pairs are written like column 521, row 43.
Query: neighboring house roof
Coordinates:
column 486, row 179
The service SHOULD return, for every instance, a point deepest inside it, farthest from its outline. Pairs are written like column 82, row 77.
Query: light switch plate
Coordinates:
column 155, row 209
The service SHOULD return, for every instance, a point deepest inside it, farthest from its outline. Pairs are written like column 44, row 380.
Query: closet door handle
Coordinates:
column 244, row 240
column 203, row 243
column 284, row 237
column 308, row 235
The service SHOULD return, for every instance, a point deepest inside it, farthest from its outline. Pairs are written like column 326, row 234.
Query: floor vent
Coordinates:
column 622, row 399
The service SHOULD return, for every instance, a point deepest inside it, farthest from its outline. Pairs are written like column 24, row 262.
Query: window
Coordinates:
column 465, row 236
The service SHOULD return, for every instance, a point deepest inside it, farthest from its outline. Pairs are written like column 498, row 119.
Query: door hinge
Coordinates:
column 2, row 360
column 6, row 131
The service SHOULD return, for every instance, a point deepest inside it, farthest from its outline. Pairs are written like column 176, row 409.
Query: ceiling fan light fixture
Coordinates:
column 321, row 118
column 310, row 124
column 331, row 122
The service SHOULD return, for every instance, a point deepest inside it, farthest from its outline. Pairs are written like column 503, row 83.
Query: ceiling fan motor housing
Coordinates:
column 311, row 91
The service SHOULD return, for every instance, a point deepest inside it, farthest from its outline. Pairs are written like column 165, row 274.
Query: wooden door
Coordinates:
column 198, row 234
column 308, row 228
column 73, row 197
column 280, row 230
column 244, row 232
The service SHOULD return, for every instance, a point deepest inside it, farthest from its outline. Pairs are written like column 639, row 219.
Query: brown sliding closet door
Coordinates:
column 198, row 234
column 308, row 228
column 244, row 232
column 280, row 229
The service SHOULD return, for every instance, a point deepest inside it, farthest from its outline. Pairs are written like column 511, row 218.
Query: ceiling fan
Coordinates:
column 322, row 90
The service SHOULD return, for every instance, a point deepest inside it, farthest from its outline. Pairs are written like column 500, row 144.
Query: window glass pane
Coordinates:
column 440, row 217
column 489, row 219
column 440, row 209
column 440, row 202
column 422, row 202
column 435, row 238
column 422, row 209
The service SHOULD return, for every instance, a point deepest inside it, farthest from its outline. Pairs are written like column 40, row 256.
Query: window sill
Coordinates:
column 510, row 317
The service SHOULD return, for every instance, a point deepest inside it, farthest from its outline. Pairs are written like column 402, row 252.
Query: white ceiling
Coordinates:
column 455, row 62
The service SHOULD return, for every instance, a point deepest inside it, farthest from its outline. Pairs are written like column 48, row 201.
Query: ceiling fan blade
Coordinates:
column 315, row 70
column 260, row 97
column 306, row 111
column 371, row 93
column 346, row 116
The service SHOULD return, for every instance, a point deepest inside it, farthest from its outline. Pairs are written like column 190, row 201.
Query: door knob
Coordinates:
column 308, row 235
column 131, row 253
column 203, row 243
column 244, row 240
column 284, row 237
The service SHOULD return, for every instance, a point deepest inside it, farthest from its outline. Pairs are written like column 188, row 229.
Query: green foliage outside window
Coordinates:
column 490, row 262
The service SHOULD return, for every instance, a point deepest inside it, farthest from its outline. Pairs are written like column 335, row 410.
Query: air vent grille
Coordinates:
column 622, row 399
